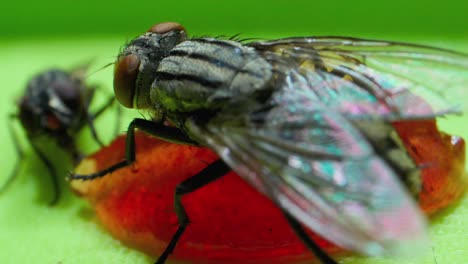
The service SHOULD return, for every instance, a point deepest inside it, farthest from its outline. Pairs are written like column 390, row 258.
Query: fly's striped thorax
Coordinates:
column 207, row 73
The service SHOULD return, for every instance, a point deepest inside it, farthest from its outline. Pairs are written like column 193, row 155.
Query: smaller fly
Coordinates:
column 308, row 121
column 55, row 106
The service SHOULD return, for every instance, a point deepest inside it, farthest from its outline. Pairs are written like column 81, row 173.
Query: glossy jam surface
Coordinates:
column 230, row 221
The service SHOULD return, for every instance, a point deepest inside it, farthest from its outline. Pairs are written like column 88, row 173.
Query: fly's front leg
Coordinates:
column 212, row 172
column 19, row 152
column 155, row 129
column 42, row 157
column 310, row 244
column 52, row 173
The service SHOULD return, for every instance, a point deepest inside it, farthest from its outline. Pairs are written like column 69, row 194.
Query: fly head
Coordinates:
column 136, row 65
column 53, row 102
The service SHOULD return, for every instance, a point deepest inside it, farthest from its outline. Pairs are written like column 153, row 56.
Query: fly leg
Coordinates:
column 118, row 113
column 19, row 152
column 310, row 244
column 52, row 173
column 158, row 130
column 43, row 158
column 91, row 116
column 212, row 172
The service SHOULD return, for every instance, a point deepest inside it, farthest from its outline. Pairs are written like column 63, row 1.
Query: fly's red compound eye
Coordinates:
column 165, row 27
column 125, row 76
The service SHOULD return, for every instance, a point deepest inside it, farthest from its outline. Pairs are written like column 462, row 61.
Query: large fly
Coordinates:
column 305, row 120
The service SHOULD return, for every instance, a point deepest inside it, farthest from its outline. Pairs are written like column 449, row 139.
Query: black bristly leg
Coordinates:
column 212, row 172
column 19, row 153
column 158, row 130
column 310, row 244
column 52, row 173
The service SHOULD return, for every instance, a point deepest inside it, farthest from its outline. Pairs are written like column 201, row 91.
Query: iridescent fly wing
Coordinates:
column 304, row 149
column 366, row 77
column 315, row 164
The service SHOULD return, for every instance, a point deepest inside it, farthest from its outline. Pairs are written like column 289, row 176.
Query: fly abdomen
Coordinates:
column 205, row 73
column 383, row 136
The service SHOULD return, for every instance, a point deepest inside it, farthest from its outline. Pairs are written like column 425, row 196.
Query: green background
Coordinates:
column 38, row 35
column 89, row 17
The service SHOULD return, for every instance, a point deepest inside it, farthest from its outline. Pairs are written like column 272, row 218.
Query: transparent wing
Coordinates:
column 366, row 77
column 316, row 165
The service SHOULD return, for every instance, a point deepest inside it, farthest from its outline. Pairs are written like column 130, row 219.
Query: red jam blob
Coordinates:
column 230, row 221
column 441, row 158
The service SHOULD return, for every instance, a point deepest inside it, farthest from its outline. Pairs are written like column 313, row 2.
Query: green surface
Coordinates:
column 51, row 18
column 36, row 36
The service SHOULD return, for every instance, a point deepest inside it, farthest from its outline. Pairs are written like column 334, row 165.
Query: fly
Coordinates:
column 305, row 120
column 55, row 106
